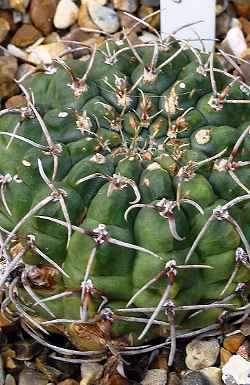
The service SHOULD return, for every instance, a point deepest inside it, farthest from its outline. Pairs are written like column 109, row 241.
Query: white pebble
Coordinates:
column 46, row 52
column 236, row 371
column 202, row 354
column 234, row 42
column 66, row 14
column 105, row 18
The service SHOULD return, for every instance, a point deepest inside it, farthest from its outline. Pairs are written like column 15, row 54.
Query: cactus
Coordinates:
column 124, row 210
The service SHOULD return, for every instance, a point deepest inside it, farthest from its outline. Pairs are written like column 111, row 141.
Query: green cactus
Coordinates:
column 124, row 197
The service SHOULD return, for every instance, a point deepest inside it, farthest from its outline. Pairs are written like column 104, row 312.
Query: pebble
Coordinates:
column 10, row 380
column 245, row 25
column 194, row 378
column 26, row 35
column 8, row 68
column 244, row 350
column 156, row 377
column 4, row 322
column 4, row 29
column 236, row 371
column 90, row 372
column 46, row 52
column 147, row 37
column 213, row 375
column 233, row 342
column 126, row 5
column 242, row 8
column 202, row 354
column 105, row 18
column 225, row 356
column 245, row 327
column 66, row 14
column 19, row 5
column 69, row 381
column 15, row 101
column 31, row 377
column 234, row 42
column 84, row 19
column 42, row 14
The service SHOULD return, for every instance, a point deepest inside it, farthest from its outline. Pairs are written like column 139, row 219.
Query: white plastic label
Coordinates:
column 193, row 19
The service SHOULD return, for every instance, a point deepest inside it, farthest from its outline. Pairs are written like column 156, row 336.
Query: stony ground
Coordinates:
column 31, row 34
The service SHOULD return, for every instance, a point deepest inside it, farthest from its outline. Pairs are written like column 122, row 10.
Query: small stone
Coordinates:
column 42, row 14
column 147, row 37
column 242, row 8
column 8, row 68
column 232, row 343
column 10, row 380
column 213, row 375
column 66, row 14
column 84, row 19
column 26, row 35
column 105, row 18
column 46, row 52
column 90, row 372
column 156, row 377
column 152, row 3
column 234, row 42
column 245, row 25
column 126, row 5
column 225, row 356
column 69, row 381
column 7, row 15
column 236, row 371
column 15, row 101
column 194, row 378
column 245, row 327
column 244, row 350
column 4, row 29
column 146, row 10
column 202, row 354
column 19, row 5
column 31, row 377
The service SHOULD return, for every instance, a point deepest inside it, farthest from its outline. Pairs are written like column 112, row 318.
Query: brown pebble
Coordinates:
column 7, row 15
column 243, row 9
column 42, row 13
column 8, row 68
column 4, row 29
column 232, row 343
column 245, row 25
column 15, row 102
column 127, row 22
column 161, row 362
column 18, row 5
column 225, row 355
column 146, row 10
column 26, row 35
column 68, row 381
column 84, row 19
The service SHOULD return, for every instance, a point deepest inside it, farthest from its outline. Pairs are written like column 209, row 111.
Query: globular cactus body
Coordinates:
column 124, row 180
